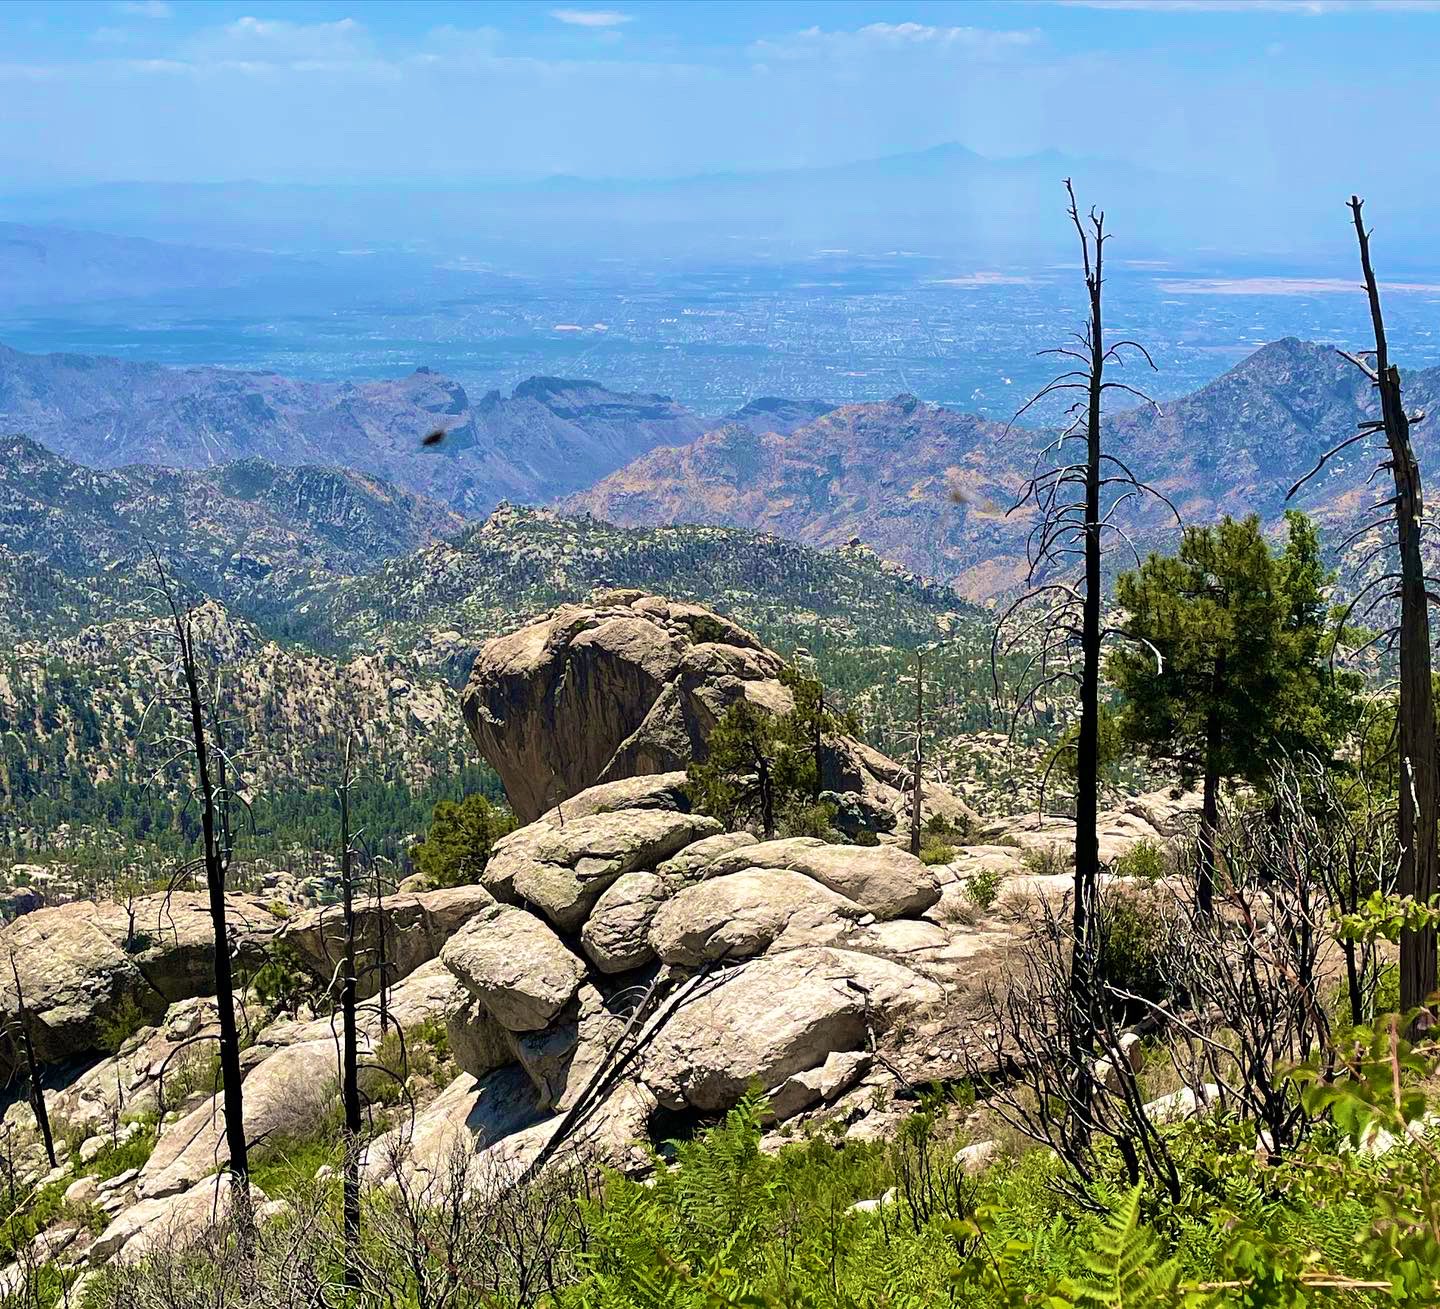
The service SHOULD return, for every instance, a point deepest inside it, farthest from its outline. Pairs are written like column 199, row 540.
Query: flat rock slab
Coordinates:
column 773, row 1017
column 168, row 1223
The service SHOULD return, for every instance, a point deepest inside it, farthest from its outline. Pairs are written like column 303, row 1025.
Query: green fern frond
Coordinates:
column 1124, row 1268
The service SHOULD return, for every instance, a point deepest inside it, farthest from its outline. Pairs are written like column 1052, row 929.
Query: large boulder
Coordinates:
column 883, row 879
column 416, row 925
column 615, row 937
column 90, row 972
column 632, row 684
column 515, row 966
column 773, row 1017
column 285, row 1095
column 563, row 870
column 469, row 1115
column 291, row 1078
column 562, row 1059
column 484, row 1133
column 745, row 913
column 166, row 1225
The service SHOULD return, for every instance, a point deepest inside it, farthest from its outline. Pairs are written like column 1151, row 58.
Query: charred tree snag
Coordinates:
column 1057, row 625
column 1406, row 583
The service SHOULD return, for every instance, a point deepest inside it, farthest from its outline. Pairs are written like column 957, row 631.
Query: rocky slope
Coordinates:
column 290, row 548
column 929, row 487
column 546, row 438
column 440, row 602
column 84, row 719
column 624, row 967
column 252, row 534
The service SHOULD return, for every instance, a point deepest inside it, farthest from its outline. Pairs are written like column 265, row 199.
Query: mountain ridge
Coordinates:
column 929, row 487
column 535, row 443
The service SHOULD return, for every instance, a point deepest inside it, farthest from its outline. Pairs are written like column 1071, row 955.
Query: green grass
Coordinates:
column 286, row 1166
column 132, row 1153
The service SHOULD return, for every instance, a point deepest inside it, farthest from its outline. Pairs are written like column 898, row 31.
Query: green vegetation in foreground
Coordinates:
column 457, row 846
column 723, row 1223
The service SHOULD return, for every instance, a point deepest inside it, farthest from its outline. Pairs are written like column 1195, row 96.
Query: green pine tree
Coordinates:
column 761, row 765
column 457, row 846
column 1243, row 675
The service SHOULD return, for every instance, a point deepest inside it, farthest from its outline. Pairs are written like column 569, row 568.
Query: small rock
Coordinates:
column 1181, row 1104
column 119, row 1180
column 81, row 1191
column 978, row 1157
column 870, row 1206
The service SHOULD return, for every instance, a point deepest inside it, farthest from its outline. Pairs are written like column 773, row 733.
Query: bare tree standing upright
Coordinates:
column 1057, row 622
column 35, row 1088
column 1417, row 873
column 350, row 1052
column 917, row 764
column 1417, row 696
column 215, row 832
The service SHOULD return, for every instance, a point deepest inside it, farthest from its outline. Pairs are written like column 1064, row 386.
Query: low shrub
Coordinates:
column 982, row 888
column 1146, row 861
column 1047, row 861
column 935, row 851
column 1136, row 941
column 817, row 820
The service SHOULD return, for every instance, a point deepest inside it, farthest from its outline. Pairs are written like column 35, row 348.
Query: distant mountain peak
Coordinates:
column 880, row 471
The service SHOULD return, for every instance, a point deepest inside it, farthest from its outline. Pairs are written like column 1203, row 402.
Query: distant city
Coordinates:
column 832, row 327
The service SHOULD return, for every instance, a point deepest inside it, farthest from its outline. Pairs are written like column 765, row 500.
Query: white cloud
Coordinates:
column 144, row 8
column 881, row 38
column 1300, row 8
column 258, row 45
column 592, row 17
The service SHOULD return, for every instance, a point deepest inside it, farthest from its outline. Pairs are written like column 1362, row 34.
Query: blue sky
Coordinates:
column 1261, row 92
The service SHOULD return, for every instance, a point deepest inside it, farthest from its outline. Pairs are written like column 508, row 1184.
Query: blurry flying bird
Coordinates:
column 958, row 493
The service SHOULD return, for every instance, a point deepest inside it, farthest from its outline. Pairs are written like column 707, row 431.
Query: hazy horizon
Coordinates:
column 1202, row 124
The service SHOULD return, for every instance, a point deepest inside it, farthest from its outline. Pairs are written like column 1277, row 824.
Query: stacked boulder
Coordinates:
column 770, row 955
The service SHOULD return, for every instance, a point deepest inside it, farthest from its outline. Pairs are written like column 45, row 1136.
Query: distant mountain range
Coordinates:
column 885, row 472
column 48, row 266
column 946, row 196
column 926, row 487
column 548, row 437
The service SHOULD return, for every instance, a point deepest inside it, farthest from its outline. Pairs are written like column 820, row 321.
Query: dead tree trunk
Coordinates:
column 1210, row 808
column 1057, row 623
column 214, row 826
column 1087, row 763
column 35, row 1088
column 765, row 782
column 350, row 1053
column 917, row 766
column 1417, row 872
